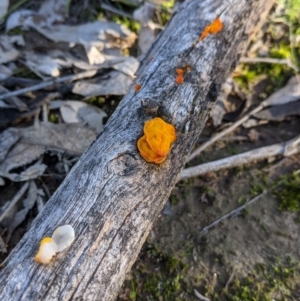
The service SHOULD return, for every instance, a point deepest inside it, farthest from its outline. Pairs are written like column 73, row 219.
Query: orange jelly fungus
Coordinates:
column 137, row 87
column 180, row 72
column 155, row 144
column 179, row 79
column 214, row 27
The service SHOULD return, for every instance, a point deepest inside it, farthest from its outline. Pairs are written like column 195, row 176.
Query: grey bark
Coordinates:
column 112, row 196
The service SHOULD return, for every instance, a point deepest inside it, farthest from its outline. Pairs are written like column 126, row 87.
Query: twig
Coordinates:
column 49, row 83
column 224, row 132
column 115, row 10
column 229, row 280
column 230, row 138
column 199, row 296
column 238, row 210
column 286, row 149
column 268, row 60
column 14, row 200
column 233, row 213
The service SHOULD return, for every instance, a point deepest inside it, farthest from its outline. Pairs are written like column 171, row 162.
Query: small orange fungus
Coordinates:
column 214, row 27
column 179, row 71
column 155, row 144
column 180, row 74
column 137, row 87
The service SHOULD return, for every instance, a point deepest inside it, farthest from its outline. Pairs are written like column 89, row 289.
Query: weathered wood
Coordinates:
column 112, row 196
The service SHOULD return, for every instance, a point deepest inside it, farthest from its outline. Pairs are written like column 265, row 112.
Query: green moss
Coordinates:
column 25, row 72
column 266, row 282
column 288, row 193
column 53, row 118
column 151, row 283
column 130, row 24
column 133, row 291
column 257, row 188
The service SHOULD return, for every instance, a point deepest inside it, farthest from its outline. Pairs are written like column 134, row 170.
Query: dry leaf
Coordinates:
column 143, row 15
column 8, row 52
column 28, row 204
column 73, row 111
column 8, row 138
column 100, row 34
column 50, row 12
column 71, row 138
column 42, row 64
column 5, row 72
column 289, row 93
column 116, row 84
column 3, row 8
column 279, row 112
column 128, row 66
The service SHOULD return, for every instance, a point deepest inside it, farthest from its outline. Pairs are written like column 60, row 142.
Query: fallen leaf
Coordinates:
column 128, row 66
column 103, row 35
column 71, row 138
column 42, row 64
column 279, row 112
column 50, row 12
column 5, row 72
column 8, row 52
column 28, row 204
column 146, row 35
column 115, row 84
column 36, row 140
column 167, row 210
column 80, row 112
column 289, row 93
column 3, row 8
column 8, row 138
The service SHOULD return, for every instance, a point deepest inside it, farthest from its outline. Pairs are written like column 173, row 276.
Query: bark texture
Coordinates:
column 112, row 196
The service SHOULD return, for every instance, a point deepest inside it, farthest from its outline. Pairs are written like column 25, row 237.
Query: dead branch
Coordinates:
column 285, row 149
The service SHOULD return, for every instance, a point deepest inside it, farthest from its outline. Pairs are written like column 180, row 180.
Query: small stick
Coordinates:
column 115, row 11
column 49, row 83
column 268, row 60
column 199, row 296
column 238, row 210
column 14, row 200
column 223, row 133
column 233, row 213
column 286, row 149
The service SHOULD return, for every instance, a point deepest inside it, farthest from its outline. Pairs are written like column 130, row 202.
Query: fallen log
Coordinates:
column 112, row 196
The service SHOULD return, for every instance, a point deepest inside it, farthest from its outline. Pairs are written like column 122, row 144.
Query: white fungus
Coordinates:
column 61, row 239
